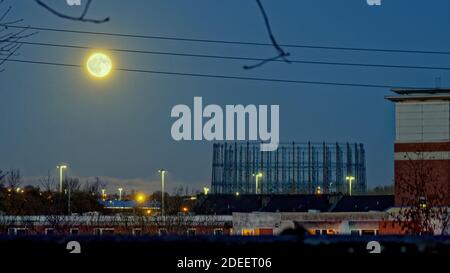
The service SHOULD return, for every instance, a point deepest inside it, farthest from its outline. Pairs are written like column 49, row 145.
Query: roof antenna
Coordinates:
column 437, row 82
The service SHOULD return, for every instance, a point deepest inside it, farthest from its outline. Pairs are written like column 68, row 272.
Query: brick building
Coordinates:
column 422, row 143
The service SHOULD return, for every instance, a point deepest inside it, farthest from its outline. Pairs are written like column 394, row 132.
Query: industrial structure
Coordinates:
column 294, row 168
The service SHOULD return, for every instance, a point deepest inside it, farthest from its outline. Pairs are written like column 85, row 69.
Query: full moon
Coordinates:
column 99, row 65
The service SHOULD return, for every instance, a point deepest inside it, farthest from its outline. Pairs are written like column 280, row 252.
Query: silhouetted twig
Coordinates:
column 281, row 53
column 9, row 40
column 81, row 18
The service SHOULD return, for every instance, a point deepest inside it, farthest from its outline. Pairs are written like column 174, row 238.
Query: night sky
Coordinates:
column 119, row 128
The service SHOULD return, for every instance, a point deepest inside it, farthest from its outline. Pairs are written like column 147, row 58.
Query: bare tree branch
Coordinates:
column 81, row 18
column 47, row 183
column 281, row 53
column 14, row 179
column 9, row 40
column 2, row 175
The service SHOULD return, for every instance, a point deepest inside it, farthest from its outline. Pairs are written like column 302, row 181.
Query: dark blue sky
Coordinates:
column 120, row 128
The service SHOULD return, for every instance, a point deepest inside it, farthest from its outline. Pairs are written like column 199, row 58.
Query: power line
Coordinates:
column 228, row 41
column 235, row 57
column 215, row 76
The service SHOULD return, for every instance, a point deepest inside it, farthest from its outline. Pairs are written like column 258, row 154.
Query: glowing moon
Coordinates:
column 99, row 65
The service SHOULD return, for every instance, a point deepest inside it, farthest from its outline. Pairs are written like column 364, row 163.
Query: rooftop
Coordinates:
column 128, row 204
column 421, row 91
column 364, row 203
column 226, row 204
column 419, row 94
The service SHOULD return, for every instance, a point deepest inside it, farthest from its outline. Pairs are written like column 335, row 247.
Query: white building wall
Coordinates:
column 422, row 121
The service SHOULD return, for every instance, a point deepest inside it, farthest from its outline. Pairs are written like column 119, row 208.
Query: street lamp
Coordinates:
column 162, row 172
column 103, row 194
column 350, row 179
column 205, row 190
column 61, row 168
column 318, row 190
column 120, row 193
column 140, row 198
column 257, row 177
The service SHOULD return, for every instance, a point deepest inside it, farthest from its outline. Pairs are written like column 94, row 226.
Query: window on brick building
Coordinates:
column 74, row 231
column 191, row 232
column 49, row 231
column 218, row 231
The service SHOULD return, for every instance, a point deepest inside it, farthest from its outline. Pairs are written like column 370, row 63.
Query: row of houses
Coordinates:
column 228, row 215
column 104, row 225
column 247, row 224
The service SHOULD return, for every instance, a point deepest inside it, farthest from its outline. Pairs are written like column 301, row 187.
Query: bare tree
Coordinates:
column 47, row 182
column 71, row 184
column 14, row 179
column 2, row 175
column 81, row 18
column 423, row 205
column 94, row 187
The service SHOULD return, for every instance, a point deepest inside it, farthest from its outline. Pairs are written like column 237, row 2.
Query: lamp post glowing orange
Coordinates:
column 140, row 198
column 318, row 190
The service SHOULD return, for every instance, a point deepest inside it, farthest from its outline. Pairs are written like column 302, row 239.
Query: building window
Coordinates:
column 103, row 231
column 264, row 231
column 49, row 231
column 162, row 231
column 97, row 232
column 311, row 232
column 74, row 231
column 17, row 231
column 368, row 232
column 248, row 232
column 355, row 232
column 218, row 231
column 137, row 231
column 191, row 232
column 107, row 231
column 314, row 231
column 331, row 231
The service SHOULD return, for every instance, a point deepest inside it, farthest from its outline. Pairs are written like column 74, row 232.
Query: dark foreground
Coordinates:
column 228, row 254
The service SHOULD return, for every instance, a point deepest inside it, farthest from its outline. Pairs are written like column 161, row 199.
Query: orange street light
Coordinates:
column 140, row 198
